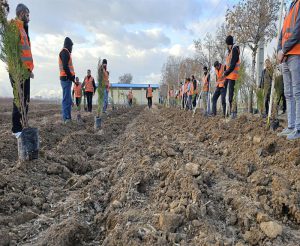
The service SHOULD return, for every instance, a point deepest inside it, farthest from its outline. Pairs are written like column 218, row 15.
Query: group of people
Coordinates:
column 86, row 89
column 149, row 96
column 226, row 75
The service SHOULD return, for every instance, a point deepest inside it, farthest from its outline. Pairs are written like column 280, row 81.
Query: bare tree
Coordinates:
column 125, row 78
column 253, row 21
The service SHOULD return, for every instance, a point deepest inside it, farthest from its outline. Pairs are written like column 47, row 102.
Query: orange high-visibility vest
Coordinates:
column 149, row 92
column 70, row 65
column 26, row 55
column 185, row 88
column 234, row 75
column 191, row 90
column 77, row 90
column 88, row 84
column 205, row 83
column 288, row 28
column 220, row 78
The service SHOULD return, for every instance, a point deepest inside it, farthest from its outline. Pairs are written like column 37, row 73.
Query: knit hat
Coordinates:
column 21, row 8
column 229, row 40
column 104, row 61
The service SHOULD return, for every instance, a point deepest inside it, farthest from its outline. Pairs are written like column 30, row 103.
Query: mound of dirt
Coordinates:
column 151, row 177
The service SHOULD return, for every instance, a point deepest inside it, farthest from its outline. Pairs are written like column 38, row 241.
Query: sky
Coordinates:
column 135, row 36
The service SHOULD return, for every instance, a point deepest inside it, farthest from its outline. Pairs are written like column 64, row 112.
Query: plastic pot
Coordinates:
column 28, row 144
column 97, row 124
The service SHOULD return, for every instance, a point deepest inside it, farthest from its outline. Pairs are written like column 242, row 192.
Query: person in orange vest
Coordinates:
column 21, row 21
column 220, row 88
column 289, row 56
column 190, row 93
column 205, row 89
column 185, row 94
column 232, row 70
column 106, row 91
column 67, row 76
column 77, row 93
column 90, row 88
column 130, row 97
column 149, row 95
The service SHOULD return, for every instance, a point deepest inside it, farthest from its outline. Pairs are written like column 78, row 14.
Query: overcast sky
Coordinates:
column 135, row 36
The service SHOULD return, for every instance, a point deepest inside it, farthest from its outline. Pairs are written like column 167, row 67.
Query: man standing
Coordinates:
column 196, row 92
column 21, row 21
column 130, row 97
column 149, row 95
column 232, row 70
column 190, row 93
column 289, row 55
column 90, row 88
column 205, row 90
column 106, row 92
column 220, row 88
column 77, row 93
column 67, row 76
column 266, row 84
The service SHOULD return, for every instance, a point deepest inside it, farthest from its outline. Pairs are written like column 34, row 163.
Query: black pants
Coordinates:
column 130, row 102
column 149, row 102
column 195, row 100
column 16, row 115
column 282, row 96
column 231, row 84
column 89, row 97
column 219, row 91
column 184, row 100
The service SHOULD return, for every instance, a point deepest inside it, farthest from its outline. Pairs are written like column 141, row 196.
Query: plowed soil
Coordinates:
column 149, row 177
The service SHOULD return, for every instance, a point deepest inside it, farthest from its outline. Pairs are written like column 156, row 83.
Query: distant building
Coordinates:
column 119, row 92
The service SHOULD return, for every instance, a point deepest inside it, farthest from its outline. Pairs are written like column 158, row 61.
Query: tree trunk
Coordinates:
column 253, row 84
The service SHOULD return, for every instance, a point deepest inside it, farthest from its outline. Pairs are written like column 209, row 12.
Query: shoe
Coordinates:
column 294, row 135
column 17, row 134
column 67, row 121
column 285, row 132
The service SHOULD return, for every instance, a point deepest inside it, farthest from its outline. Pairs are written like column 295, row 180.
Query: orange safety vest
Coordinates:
column 289, row 27
column 130, row 95
column 149, row 92
column 234, row 75
column 191, row 90
column 185, row 88
column 70, row 65
column 26, row 55
column 77, row 90
column 105, row 78
column 205, row 83
column 88, row 84
column 220, row 78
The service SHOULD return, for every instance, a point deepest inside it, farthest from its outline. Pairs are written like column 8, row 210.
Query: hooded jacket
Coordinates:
column 65, row 56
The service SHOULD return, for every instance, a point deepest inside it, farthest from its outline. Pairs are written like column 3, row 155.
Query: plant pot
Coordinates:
column 97, row 124
column 28, row 144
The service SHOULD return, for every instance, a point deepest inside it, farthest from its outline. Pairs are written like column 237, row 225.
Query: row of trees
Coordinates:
column 250, row 22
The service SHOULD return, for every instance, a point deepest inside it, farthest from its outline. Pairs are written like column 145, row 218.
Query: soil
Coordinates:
column 149, row 177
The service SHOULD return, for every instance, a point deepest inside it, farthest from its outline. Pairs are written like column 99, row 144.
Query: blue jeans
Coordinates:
column 291, row 79
column 66, row 100
column 105, row 100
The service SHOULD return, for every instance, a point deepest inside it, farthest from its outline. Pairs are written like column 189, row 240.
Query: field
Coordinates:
column 149, row 177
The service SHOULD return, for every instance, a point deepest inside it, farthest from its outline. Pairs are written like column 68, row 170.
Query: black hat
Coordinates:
column 205, row 68
column 68, row 42
column 104, row 61
column 229, row 40
column 216, row 64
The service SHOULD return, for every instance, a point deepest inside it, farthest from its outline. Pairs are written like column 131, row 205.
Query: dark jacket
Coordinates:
column 266, row 80
column 65, row 57
column 235, row 58
column 294, row 39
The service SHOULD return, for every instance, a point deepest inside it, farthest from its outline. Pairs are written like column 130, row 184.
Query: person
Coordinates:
column 89, row 88
column 232, row 69
column 220, row 88
column 106, row 91
column 266, row 84
column 205, row 89
column 196, row 91
column 77, row 93
column 190, row 93
column 67, row 76
column 185, row 94
column 149, row 95
column 279, row 89
column 21, row 21
column 172, row 97
column 130, row 97
column 289, row 54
